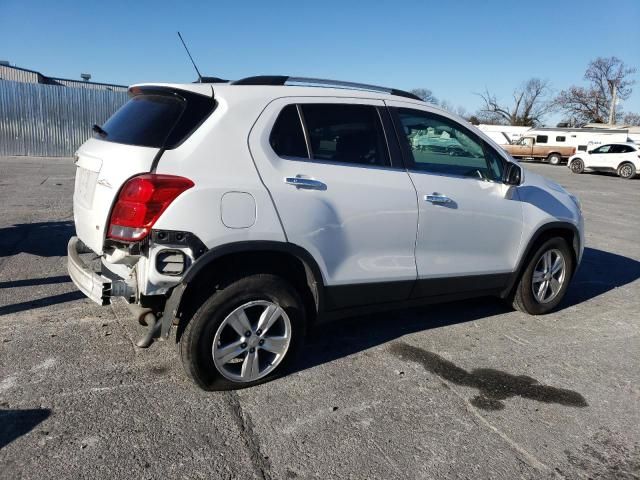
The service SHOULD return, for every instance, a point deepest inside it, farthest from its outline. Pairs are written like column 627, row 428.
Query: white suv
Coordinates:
column 247, row 212
column 621, row 158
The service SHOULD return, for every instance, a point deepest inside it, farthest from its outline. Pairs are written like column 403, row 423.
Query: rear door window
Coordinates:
column 158, row 119
column 350, row 134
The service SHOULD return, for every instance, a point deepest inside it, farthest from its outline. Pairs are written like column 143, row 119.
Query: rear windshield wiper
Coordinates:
column 99, row 130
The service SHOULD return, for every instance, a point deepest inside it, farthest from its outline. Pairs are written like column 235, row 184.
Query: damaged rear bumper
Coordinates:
column 93, row 284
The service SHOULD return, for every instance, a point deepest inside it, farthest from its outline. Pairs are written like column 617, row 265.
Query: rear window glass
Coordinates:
column 287, row 137
column 157, row 120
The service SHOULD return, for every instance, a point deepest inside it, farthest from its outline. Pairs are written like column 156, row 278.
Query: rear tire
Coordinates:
column 577, row 165
column 554, row 159
column 627, row 170
column 222, row 319
column 546, row 278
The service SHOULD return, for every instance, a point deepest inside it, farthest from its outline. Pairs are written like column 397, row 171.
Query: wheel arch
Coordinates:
column 565, row 230
column 229, row 261
column 554, row 154
column 623, row 162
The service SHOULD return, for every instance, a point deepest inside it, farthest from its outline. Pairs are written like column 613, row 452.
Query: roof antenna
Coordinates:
column 194, row 63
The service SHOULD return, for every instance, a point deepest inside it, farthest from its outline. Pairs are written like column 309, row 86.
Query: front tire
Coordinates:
column 577, row 165
column 554, row 159
column 246, row 333
column 546, row 278
column 627, row 170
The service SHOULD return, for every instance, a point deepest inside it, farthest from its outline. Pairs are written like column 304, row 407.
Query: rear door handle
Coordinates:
column 306, row 183
column 437, row 198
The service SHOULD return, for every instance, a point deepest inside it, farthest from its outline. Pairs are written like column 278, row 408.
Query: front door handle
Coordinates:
column 437, row 198
column 306, row 183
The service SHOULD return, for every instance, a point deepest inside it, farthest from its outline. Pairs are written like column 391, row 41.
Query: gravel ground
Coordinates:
column 464, row 390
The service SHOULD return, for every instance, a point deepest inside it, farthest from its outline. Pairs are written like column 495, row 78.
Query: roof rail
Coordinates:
column 211, row 80
column 285, row 80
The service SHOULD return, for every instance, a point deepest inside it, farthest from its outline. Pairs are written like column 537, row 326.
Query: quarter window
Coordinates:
column 350, row 134
column 287, row 137
column 439, row 145
column 623, row 149
column 542, row 139
column 561, row 139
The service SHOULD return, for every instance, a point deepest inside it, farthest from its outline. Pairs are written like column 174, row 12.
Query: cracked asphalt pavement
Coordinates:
column 463, row 390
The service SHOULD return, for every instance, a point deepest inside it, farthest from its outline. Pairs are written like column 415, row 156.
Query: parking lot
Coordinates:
column 464, row 390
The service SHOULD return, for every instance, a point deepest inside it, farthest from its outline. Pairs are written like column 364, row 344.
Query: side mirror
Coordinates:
column 513, row 174
column 589, row 152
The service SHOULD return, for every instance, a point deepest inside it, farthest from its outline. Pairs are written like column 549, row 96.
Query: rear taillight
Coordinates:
column 140, row 203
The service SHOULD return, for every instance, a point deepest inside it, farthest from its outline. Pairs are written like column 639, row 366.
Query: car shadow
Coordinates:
column 44, row 239
column 599, row 273
column 30, row 282
column 41, row 302
column 15, row 423
column 602, row 173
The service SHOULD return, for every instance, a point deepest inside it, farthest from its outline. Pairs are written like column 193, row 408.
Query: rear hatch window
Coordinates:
column 159, row 118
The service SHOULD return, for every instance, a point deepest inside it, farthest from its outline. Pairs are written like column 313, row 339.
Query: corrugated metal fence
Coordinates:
column 49, row 120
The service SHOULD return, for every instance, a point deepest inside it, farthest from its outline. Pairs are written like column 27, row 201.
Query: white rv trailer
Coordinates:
column 633, row 131
column 503, row 134
column 584, row 139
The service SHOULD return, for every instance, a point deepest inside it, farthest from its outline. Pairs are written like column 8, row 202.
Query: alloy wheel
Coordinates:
column 576, row 166
column 251, row 341
column 549, row 276
column 626, row 171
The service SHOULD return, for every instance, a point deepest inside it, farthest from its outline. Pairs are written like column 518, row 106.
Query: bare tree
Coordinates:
column 450, row 107
column 489, row 118
column 593, row 102
column 530, row 104
column 425, row 94
column 461, row 111
column 446, row 105
column 631, row 119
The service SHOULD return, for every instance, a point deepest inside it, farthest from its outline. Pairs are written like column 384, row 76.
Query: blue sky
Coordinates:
column 454, row 48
